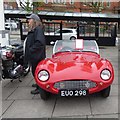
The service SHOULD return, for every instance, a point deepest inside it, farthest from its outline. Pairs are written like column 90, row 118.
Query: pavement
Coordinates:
column 17, row 102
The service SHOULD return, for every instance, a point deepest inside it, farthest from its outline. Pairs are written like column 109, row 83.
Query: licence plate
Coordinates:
column 64, row 93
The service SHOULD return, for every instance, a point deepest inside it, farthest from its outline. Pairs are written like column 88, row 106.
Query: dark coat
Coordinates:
column 35, row 46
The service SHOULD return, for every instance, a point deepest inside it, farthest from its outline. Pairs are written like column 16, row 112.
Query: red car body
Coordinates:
column 74, row 67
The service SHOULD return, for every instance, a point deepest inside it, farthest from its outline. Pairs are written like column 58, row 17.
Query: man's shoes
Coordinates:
column 34, row 85
column 36, row 91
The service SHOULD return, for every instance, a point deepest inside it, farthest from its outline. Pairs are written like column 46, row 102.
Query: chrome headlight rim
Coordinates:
column 104, row 75
column 43, row 75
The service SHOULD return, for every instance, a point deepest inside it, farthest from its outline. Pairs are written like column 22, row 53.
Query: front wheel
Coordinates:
column 106, row 92
column 44, row 94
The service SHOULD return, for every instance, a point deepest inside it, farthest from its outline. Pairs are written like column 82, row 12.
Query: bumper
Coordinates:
column 50, row 87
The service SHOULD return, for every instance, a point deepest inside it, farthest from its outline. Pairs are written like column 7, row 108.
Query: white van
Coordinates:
column 11, row 26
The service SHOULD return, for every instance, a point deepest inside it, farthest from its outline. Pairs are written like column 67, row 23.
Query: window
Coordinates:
column 67, row 31
column 108, row 3
column 56, row 1
column 63, row 1
column 46, row 1
column 71, row 1
column 59, row 1
column 105, row 29
column 57, row 31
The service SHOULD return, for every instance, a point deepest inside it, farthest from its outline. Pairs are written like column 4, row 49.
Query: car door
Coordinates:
column 66, row 34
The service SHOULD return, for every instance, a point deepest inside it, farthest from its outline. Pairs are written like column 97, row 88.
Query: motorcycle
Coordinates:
column 12, row 57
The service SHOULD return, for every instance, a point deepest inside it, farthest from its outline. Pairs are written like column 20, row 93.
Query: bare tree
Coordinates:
column 30, row 6
column 26, row 5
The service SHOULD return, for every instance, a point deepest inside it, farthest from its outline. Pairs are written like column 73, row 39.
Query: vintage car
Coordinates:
column 75, row 69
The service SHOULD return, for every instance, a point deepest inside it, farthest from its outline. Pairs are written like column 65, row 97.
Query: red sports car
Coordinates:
column 75, row 69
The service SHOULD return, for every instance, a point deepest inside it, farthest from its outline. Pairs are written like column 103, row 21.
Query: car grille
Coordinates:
column 76, row 84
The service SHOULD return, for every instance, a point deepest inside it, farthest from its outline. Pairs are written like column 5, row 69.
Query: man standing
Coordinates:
column 35, row 45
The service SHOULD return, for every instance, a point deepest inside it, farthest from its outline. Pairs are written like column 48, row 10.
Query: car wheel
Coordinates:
column 72, row 38
column 106, row 92
column 44, row 94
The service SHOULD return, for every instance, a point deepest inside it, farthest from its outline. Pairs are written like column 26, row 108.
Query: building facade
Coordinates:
column 71, row 6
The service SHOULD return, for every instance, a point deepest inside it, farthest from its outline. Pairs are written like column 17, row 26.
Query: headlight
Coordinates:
column 43, row 75
column 105, row 74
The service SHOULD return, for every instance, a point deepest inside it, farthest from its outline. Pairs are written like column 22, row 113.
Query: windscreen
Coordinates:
column 75, row 46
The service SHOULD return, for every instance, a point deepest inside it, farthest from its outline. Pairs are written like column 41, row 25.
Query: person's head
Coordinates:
column 33, row 21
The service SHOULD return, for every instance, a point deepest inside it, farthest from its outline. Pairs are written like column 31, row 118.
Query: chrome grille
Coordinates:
column 76, row 84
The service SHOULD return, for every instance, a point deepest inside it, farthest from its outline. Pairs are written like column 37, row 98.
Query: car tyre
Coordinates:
column 72, row 38
column 44, row 94
column 106, row 92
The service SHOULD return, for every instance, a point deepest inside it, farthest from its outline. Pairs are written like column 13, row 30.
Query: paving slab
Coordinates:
column 6, row 92
column 37, row 96
column 25, row 119
column 0, row 98
column 119, row 95
column 68, row 118
column 103, row 106
column 49, row 51
column 30, row 109
column 72, row 107
column 104, row 116
column 119, row 106
column 115, row 66
column 21, row 93
column 31, row 82
column 114, row 90
column 5, row 82
column 6, row 104
column 83, row 117
column 115, row 81
column 16, row 83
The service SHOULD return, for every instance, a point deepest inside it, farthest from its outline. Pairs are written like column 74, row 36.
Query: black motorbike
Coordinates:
column 12, row 57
